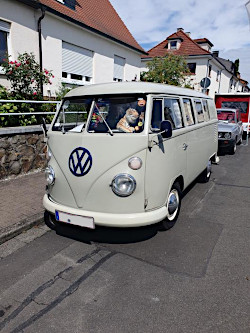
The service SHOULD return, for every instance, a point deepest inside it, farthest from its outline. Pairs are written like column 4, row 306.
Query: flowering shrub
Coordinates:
column 25, row 76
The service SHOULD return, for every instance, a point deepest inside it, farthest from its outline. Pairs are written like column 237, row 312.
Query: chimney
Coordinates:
column 188, row 33
column 216, row 53
column 180, row 29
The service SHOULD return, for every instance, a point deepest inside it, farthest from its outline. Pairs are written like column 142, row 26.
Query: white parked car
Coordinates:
column 230, row 129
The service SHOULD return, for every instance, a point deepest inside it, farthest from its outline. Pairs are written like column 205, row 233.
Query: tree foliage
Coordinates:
column 171, row 69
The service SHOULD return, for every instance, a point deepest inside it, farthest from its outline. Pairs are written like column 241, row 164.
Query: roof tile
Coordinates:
column 98, row 15
column 188, row 47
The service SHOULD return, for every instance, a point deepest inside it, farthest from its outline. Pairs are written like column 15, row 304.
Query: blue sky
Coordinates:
column 224, row 22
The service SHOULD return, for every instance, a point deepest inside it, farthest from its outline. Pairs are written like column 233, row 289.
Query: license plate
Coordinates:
column 82, row 221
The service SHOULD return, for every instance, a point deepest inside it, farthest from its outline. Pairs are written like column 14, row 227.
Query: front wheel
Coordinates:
column 49, row 220
column 173, row 207
column 232, row 150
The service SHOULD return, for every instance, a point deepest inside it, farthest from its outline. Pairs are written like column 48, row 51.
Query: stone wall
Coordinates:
column 21, row 150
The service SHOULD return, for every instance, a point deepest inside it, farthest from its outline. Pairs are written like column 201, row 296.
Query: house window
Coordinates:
column 77, row 64
column 192, row 67
column 69, row 3
column 173, row 45
column 4, row 33
column 119, row 64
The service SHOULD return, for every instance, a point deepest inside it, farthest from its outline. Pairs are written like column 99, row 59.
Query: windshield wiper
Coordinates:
column 110, row 130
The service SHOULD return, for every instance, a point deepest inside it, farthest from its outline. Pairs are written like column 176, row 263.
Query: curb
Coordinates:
column 17, row 228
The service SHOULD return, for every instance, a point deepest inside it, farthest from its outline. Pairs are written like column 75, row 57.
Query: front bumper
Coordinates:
column 225, row 144
column 108, row 219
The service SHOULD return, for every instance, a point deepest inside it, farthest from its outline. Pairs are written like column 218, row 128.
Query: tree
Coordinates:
column 25, row 76
column 171, row 69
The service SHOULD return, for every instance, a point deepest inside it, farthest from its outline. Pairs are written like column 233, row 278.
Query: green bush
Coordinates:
column 25, row 78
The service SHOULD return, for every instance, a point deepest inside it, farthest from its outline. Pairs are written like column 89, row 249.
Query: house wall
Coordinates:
column 24, row 37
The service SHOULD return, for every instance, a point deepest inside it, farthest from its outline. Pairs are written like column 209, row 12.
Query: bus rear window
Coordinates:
column 241, row 106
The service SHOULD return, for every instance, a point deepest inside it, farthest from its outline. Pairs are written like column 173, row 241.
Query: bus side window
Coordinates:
column 172, row 112
column 188, row 110
column 156, row 113
column 206, row 110
column 198, row 107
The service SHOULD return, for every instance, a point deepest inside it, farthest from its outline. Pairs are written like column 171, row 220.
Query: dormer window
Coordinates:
column 69, row 3
column 173, row 43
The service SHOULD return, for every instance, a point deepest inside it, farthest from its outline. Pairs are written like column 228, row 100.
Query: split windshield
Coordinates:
column 102, row 114
column 226, row 116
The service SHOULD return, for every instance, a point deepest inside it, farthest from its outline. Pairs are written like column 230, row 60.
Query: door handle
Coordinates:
column 184, row 146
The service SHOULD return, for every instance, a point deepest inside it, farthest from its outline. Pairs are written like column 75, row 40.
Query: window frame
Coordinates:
column 199, row 101
column 192, row 111
column 195, row 65
column 86, row 79
column 7, row 31
column 180, row 109
column 122, row 63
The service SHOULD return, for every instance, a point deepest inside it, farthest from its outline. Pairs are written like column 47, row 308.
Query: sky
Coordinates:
column 224, row 22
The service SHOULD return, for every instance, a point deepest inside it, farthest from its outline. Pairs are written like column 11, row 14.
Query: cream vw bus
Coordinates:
column 121, row 154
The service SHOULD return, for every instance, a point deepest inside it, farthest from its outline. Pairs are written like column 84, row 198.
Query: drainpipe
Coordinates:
column 39, row 29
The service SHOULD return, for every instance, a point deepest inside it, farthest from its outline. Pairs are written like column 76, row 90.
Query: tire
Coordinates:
column 49, row 220
column 174, row 198
column 239, row 142
column 206, row 174
column 232, row 150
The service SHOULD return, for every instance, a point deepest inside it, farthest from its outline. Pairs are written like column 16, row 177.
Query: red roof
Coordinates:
column 97, row 15
column 188, row 47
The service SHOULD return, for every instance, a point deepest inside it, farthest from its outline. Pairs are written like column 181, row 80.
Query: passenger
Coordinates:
column 129, row 122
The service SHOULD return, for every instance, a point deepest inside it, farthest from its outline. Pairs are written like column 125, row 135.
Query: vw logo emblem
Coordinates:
column 80, row 162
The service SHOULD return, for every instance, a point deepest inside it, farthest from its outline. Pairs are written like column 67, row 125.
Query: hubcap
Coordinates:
column 173, row 204
column 209, row 168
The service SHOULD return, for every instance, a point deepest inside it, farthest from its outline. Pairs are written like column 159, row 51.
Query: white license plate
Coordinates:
column 82, row 221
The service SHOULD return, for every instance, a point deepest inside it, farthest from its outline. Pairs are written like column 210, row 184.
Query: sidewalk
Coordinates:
column 21, row 204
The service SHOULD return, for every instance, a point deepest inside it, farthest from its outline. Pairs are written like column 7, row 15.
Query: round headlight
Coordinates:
column 50, row 175
column 227, row 135
column 123, row 185
column 220, row 135
column 135, row 163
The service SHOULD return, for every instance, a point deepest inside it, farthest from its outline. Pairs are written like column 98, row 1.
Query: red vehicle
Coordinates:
column 239, row 101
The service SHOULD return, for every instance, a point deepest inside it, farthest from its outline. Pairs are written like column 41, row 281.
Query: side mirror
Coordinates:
column 166, row 129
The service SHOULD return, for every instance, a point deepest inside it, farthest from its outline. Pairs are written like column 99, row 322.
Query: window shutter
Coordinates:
column 77, row 60
column 4, row 26
column 119, row 63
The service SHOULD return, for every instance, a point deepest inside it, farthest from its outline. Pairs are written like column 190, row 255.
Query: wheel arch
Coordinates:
column 180, row 181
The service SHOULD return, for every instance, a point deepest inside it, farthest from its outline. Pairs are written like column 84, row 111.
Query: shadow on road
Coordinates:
column 107, row 234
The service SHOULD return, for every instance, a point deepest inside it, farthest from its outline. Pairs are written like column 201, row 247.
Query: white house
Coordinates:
column 205, row 66
column 82, row 41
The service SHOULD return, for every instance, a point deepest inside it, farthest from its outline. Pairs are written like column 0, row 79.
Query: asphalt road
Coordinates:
column 192, row 278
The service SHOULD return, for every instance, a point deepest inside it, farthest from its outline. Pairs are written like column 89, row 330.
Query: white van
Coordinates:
column 121, row 154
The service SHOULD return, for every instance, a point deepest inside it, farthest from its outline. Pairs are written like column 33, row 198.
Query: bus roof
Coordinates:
column 133, row 88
